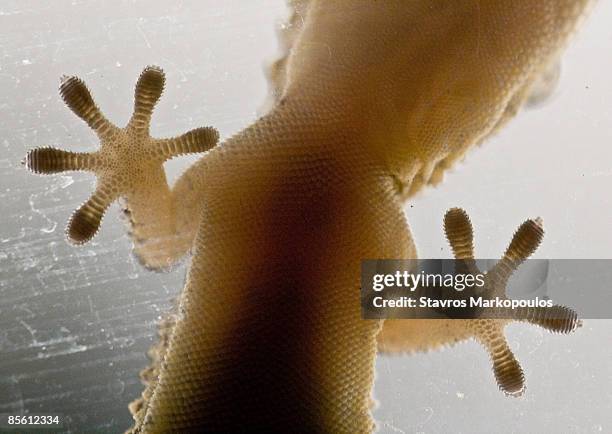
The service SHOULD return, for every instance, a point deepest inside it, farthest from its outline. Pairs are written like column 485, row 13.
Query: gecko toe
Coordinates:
column 149, row 88
column 85, row 221
column 77, row 97
column 556, row 319
column 83, row 225
column 51, row 160
column 507, row 370
column 459, row 233
column 193, row 141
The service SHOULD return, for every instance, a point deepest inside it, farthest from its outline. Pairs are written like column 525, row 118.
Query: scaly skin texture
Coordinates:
column 374, row 100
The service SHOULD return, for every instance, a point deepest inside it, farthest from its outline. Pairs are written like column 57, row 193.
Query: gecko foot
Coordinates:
column 128, row 162
column 490, row 332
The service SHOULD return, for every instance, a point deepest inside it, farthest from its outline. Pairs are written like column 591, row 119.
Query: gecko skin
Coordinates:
column 373, row 101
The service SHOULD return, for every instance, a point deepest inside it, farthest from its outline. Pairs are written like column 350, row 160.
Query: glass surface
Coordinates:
column 75, row 323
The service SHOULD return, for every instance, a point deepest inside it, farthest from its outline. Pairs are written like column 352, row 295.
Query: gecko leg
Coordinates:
column 128, row 163
column 490, row 332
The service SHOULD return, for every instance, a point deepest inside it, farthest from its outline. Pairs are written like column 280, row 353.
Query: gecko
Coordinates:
column 371, row 102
